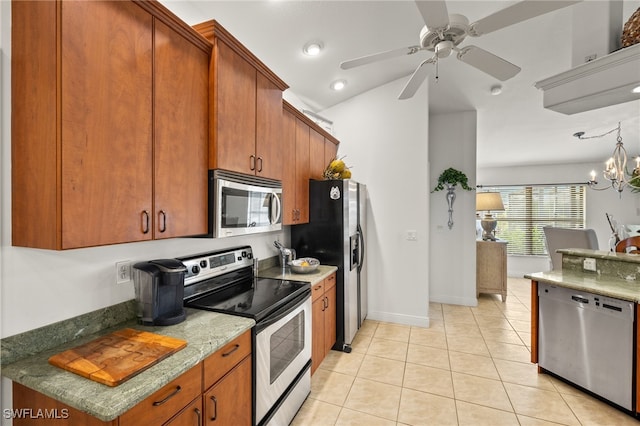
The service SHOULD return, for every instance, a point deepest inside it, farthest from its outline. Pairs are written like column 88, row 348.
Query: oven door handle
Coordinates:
column 284, row 311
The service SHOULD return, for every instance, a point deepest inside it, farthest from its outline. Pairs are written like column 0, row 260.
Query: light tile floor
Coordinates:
column 470, row 367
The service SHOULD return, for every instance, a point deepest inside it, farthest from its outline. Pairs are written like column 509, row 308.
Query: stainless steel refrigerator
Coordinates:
column 335, row 236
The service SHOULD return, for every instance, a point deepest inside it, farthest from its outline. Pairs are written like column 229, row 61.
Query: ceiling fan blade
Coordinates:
column 364, row 60
column 416, row 79
column 515, row 13
column 434, row 13
column 488, row 62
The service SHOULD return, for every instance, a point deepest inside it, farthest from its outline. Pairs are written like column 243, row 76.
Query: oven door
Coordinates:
column 246, row 205
column 283, row 348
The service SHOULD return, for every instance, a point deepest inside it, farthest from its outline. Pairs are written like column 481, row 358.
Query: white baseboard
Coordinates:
column 398, row 318
column 453, row 300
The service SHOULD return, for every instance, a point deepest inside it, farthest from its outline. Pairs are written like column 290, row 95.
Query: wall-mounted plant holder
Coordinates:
column 451, row 178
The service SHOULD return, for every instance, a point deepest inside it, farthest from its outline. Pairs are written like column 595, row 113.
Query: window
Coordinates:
column 529, row 208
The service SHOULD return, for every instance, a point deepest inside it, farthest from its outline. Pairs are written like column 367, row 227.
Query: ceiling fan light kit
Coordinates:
column 443, row 33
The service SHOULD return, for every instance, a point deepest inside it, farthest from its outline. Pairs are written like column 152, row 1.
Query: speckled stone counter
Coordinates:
column 314, row 277
column 205, row 333
column 617, row 274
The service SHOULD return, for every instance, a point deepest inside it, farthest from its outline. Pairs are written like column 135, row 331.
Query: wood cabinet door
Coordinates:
column 269, row 142
column 190, row 416
column 180, row 169
column 234, row 111
column 106, row 129
column 228, row 402
column 329, row 318
column 302, row 171
column 316, row 155
column 330, row 151
column 289, row 186
column 317, row 333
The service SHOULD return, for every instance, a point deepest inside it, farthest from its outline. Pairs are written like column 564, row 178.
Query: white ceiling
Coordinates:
column 513, row 128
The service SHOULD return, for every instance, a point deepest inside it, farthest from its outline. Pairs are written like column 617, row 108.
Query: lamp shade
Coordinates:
column 486, row 201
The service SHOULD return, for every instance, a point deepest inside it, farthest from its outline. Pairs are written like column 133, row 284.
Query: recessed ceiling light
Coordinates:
column 636, row 89
column 338, row 85
column 312, row 48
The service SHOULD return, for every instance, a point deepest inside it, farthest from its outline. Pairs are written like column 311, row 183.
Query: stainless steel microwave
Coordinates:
column 242, row 204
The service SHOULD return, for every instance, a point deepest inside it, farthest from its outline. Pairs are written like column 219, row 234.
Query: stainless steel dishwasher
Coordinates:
column 587, row 339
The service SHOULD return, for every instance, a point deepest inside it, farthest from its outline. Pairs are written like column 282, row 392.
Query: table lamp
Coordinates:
column 487, row 202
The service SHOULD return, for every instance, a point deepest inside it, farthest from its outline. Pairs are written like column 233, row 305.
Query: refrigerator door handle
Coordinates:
column 361, row 247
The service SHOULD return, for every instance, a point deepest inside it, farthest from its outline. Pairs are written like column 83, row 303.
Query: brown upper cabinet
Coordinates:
column 308, row 149
column 101, row 155
column 245, row 101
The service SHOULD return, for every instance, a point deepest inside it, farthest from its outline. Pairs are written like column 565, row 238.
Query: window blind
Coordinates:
column 529, row 208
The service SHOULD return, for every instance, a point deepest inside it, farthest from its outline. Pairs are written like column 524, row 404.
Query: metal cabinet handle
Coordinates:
column 145, row 221
column 252, row 162
column 235, row 348
column 171, row 395
column 215, row 408
column 198, row 416
column 260, row 162
column 162, row 218
column 326, row 302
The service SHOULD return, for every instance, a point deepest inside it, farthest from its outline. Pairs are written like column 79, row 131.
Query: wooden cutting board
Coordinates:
column 116, row 357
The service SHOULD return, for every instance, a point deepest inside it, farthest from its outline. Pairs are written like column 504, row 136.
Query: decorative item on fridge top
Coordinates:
column 451, row 178
column 336, row 170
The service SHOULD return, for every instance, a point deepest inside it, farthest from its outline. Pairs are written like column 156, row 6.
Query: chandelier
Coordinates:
column 615, row 169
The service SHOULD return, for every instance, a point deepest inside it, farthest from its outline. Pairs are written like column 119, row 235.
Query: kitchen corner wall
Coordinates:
column 452, row 272
column 384, row 141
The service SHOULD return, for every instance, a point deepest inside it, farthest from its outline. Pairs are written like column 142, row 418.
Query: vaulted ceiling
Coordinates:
column 513, row 127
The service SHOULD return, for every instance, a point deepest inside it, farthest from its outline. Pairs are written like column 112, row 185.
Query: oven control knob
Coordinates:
column 195, row 269
column 203, row 263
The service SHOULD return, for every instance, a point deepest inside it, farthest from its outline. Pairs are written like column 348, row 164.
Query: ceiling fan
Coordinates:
column 443, row 33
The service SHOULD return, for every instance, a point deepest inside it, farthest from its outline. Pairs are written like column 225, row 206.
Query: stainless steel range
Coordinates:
column 224, row 281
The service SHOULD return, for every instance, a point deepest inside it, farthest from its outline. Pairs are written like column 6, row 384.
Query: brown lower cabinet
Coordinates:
column 217, row 391
column 323, row 296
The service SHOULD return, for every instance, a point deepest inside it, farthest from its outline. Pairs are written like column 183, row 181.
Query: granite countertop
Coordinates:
column 322, row 272
column 601, row 254
column 205, row 333
column 617, row 287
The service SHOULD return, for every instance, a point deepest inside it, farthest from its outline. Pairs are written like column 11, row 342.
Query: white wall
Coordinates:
column 452, row 264
column 625, row 209
column 385, row 142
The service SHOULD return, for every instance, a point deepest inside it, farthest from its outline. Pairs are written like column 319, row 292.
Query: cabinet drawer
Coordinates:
column 218, row 364
column 166, row 402
column 330, row 281
column 317, row 291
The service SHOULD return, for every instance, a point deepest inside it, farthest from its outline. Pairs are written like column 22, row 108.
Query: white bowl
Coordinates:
column 304, row 265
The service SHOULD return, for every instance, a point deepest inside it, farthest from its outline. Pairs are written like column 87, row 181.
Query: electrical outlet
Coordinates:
column 123, row 272
column 412, row 235
column 589, row 264
column 590, row 58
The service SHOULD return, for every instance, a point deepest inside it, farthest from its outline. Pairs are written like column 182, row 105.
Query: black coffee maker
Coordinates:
column 159, row 287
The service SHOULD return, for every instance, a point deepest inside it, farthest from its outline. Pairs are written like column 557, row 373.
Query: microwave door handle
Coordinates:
column 278, row 208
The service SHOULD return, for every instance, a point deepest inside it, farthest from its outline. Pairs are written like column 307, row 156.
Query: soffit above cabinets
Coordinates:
column 602, row 82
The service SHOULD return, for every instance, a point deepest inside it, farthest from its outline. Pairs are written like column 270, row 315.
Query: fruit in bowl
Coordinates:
column 304, row 265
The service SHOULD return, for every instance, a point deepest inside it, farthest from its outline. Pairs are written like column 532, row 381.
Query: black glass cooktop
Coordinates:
column 255, row 298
